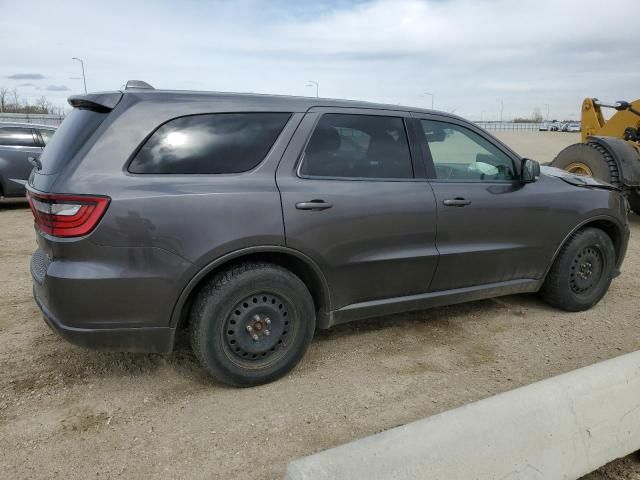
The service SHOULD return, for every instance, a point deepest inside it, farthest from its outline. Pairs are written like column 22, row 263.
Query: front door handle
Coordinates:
column 313, row 205
column 457, row 202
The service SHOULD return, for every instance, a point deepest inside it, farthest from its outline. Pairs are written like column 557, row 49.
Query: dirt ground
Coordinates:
column 70, row 413
column 540, row 146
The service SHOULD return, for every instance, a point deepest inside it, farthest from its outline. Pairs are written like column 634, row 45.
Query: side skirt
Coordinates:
column 422, row 301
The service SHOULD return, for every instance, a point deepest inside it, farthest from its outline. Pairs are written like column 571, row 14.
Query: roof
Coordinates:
column 290, row 102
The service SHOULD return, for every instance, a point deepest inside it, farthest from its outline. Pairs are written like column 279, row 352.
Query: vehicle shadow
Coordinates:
column 437, row 317
column 69, row 365
column 13, row 203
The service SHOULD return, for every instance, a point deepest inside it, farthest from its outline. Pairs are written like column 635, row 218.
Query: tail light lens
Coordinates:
column 67, row 215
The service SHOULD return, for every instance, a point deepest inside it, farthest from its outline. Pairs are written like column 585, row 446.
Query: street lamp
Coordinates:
column 84, row 79
column 431, row 94
column 311, row 84
column 501, row 107
column 547, row 110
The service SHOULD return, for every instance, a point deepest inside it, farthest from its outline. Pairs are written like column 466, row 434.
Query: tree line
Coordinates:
column 11, row 102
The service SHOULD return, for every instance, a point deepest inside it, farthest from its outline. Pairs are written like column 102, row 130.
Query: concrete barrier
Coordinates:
column 560, row 428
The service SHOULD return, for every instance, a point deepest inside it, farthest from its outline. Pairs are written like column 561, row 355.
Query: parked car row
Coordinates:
column 560, row 127
column 20, row 147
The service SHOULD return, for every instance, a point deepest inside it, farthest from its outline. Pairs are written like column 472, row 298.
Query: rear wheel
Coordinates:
column 252, row 324
column 589, row 159
column 582, row 272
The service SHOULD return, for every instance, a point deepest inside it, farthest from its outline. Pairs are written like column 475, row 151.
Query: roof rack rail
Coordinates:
column 137, row 85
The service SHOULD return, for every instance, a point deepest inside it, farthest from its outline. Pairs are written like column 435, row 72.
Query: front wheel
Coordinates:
column 252, row 324
column 582, row 272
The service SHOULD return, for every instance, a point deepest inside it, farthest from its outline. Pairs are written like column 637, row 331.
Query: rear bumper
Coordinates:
column 142, row 339
column 108, row 298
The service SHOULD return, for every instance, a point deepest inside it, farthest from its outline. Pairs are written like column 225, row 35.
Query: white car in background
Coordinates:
column 549, row 127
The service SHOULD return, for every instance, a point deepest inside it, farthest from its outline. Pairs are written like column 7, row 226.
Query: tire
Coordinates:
column 277, row 306
column 582, row 272
column 596, row 159
column 634, row 201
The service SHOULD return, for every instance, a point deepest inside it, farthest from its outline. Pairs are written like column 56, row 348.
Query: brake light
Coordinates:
column 67, row 215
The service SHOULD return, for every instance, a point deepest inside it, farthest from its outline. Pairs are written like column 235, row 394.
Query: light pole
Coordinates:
column 311, row 84
column 501, row 107
column 431, row 94
column 84, row 79
column 547, row 105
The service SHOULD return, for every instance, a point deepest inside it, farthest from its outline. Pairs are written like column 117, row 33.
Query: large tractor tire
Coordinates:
column 589, row 159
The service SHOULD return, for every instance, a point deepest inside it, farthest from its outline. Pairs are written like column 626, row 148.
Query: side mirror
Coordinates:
column 529, row 171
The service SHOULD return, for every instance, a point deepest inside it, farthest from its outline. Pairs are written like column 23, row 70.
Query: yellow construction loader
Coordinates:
column 610, row 149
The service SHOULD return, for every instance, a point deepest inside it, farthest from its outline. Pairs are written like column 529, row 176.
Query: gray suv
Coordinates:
column 252, row 220
column 20, row 146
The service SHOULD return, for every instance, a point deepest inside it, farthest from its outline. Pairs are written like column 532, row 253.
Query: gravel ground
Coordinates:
column 70, row 413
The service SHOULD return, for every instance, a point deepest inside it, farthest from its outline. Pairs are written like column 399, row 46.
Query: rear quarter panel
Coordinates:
column 197, row 217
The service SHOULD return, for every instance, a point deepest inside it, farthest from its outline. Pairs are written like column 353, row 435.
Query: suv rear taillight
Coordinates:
column 67, row 215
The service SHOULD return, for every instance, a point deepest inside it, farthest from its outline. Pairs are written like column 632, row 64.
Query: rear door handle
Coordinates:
column 457, row 202
column 313, row 205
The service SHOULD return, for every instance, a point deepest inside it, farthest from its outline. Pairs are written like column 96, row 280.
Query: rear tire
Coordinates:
column 590, row 159
column 582, row 272
column 252, row 324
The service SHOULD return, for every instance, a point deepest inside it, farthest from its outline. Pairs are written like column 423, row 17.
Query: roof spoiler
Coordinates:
column 137, row 85
column 98, row 102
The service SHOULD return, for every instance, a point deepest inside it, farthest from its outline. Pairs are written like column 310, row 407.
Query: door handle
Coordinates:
column 313, row 205
column 457, row 202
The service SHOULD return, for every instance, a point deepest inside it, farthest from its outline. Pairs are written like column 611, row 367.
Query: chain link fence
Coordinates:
column 42, row 119
column 511, row 126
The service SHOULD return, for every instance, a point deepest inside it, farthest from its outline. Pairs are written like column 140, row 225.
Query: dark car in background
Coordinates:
column 252, row 220
column 20, row 146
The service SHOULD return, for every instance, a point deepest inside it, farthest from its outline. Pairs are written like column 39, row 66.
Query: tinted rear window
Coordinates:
column 210, row 144
column 75, row 130
column 16, row 137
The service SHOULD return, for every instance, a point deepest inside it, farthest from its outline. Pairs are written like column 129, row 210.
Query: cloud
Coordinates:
column 26, row 76
column 26, row 85
column 57, row 88
column 467, row 52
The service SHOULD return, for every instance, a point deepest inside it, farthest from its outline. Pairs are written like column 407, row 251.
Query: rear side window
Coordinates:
column 74, row 132
column 210, row 144
column 16, row 137
column 358, row 146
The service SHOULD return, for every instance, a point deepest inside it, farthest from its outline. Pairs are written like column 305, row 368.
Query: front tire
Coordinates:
column 252, row 324
column 582, row 272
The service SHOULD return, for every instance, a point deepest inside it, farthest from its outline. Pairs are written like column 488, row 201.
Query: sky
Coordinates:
column 475, row 57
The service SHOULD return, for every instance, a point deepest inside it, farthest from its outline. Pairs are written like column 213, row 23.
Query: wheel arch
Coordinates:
column 610, row 225
column 626, row 157
column 293, row 260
